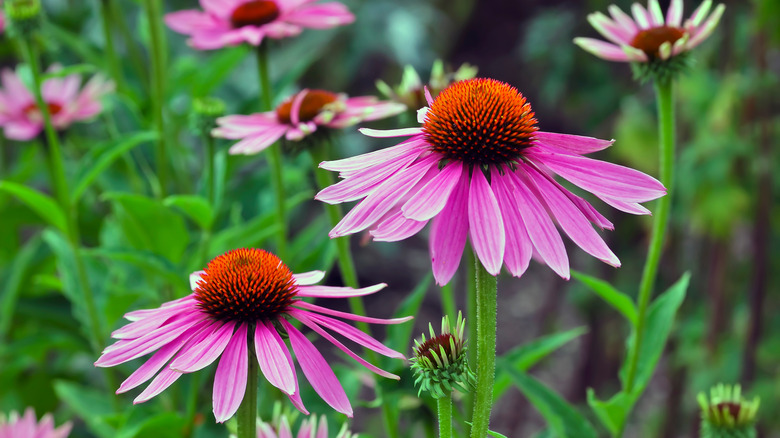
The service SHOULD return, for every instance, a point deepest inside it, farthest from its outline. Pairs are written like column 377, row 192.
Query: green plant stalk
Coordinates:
column 134, row 53
column 448, row 301
column 444, row 409
column 320, row 153
column 665, row 96
column 274, row 152
column 111, row 58
column 56, row 166
column 486, row 286
column 157, row 81
column 247, row 412
column 210, row 176
column 471, row 321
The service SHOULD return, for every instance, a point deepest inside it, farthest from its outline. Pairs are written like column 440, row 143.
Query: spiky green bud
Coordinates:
column 440, row 364
column 411, row 91
column 24, row 17
column 204, row 114
column 726, row 414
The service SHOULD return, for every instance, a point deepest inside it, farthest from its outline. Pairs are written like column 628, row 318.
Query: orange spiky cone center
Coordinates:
column 313, row 102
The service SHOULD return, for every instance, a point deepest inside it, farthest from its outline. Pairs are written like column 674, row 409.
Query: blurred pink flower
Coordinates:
column 480, row 168
column 308, row 429
column 232, row 22
column 299, row 116
column 239, row 291
column 27, row 427
column 647, row 36
column 19, row 114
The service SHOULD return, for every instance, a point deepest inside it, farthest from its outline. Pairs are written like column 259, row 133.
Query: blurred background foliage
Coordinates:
column 140, row 249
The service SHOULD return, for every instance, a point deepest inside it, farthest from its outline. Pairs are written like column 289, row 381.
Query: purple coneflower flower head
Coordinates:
column 310, row 428
column 19, row 114
column 232, row 22
column 27, row 427
column 480, row 168
column 648, row 36
column 241, row 303
column 301, row 115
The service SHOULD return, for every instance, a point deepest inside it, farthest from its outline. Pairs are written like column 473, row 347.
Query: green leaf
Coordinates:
column 523, row 357
column 106, row 158
column 618, row 300
column 149, row 262
column 90, row 405
column 149, row 225
column 70, row 70
column 16, row 275
column 195, row 207
column 74, row 42
column 613, row 412
column 490, row 432
column 562, row 417
column 41, row 204
column 214, row 72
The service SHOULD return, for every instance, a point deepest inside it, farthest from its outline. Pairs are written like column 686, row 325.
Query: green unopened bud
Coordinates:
column 440, row 364
column 23, row 17
column 411, row 91
column 205, row 111
column 726, row 414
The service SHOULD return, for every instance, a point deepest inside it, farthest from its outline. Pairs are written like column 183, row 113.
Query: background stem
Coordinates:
column 157, row 82
column 111, row 59
column 486, row 286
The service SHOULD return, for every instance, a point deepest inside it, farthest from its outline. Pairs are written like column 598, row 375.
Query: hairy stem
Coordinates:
column 486, row 349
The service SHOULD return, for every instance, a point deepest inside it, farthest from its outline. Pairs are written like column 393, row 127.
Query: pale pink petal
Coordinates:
column 338, row 292
column 449, row 231
column 22, row 130
column 352, row 334
column 284, row 429
column 160, row 383
column 317, row 371
column 191, row 21
column 295, row 397
column 239, row 126
column 602, row 49
column 221, row 8
column 675, row 13
column 308, row 278
column 609, row 29
column 320, row 16
column 570, row 218
column 623, row 19
column 403, row 132
column 518, row 245
column 396, row 227
column 350, row 316
column 269, row 348
column 432, row 197
column 699, row 14
column 486, row 228
column 708, row 27
column 540, row 228
column 195, row 278
column 352, row 165
column 258, row 142
column 628, row 207
column 202, row 352
column 153, row 364
column 641, row 16
column 655, row 13
column 575, row 144
column 231, row 376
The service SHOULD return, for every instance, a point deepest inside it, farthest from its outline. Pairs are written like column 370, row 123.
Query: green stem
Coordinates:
column 444, row 405
column 157, row 81
column 486, row 349
column 247, row 412
column 665, row 96
column 111, row 58
column 136, row 58
column 448, row 301
column 274, row 152
column 471, row 321
column 210, row 177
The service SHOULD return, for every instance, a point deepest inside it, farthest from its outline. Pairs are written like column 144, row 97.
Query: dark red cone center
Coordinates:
column 255, row 12
column 313, row 102
column 650, row 40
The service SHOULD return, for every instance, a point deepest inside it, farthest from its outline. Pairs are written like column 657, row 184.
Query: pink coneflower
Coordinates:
column 232, row 22
column 27, row 427
column 479, row 167
column 19, row 114
column 309, row 429
column 299, row 116
column 647, row 37
column 242, row 295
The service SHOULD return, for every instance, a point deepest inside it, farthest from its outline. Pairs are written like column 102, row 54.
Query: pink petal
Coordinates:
column 257, row 143
column 308, row 278
column 628, row 207
column 230, row 379
column 674, row 13
column 160, row 383
column 641, row 16
column 432, row 197
column 191, row 21
column 575, row 144
column 269, row 348
column 352, row 334
column 623, row 19
column 602, row 49
column 338, row 292
column 355, row 164
column 321, row 16
column 486, row 227
column 317, row 371
column 396, row 227
column 518, row 245
column 205, row 350
column 385, row 133
column 449, row 231
column 350, row 316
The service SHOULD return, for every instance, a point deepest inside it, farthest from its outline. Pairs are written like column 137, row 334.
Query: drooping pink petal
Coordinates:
column 338, row 292
column 518, row 245
column 628, row 207
column 350, row 316
column 449, row 231
column 540, row 228
column 231, row 375
column 321, row 16
column 602, row 49
column 623, row 19
column 160, row 383
column 204, row 351
column 575, row 144
column 308, row 278
column 191, row 21
column 308, row 322
column 257, row 143
column 609, row 29
column 570, row 218
column 396, row 227
column 708, row 27
column 239, row 126
column 317, row 371
column 348, row 166
column 352, row 334
column 386, row 133
column 433, row 196
column 269, row 348
column 486, row 228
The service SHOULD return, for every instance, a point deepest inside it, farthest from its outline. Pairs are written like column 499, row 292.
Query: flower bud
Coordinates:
column 205, row 111
column 23, row 17
column 440, row 364
column 725, row 414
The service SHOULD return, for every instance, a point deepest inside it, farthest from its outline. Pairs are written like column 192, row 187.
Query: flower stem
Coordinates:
column 111, row 58
column 247, row 412
column 157, row 81
column 274, row 152
column 444, row 405
column 664, row 94
column 210, row 176
column 486, row 349
column 448, row 301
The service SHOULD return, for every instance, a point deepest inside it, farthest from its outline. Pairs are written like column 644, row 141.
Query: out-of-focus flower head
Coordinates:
column 26, row 426
column 439, row 363
column 241, row 291
column 21, row 16
column 224, row 23
column 19, row 114
column 301, row 115
column 726, row 414
column 411, row 90
column 653, row 44
column 311, row 427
